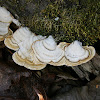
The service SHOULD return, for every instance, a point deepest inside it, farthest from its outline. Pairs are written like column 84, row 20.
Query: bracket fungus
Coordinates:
column 35, row 51
column 4, row 30
column 17, row 37
column 35, row 54
column 77, row 54
column 5, row 20
column 23, row 56
column 5, row 15
column 26, row 63
column 47, row 51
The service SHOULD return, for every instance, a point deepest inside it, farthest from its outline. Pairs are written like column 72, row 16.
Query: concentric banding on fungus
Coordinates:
column 75, row 52
column 28, row 64
column 23, row 56
column 2, row 37
column 62, row 61
column 91, row 51
column 18, row 36
column 5, row 20
column 49, row 43
column 5, row 15
column 21, row 34
column 25, row 46
column 43, row 51
column 47, row 52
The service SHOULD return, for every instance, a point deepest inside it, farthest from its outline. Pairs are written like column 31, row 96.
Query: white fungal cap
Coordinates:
column 5, row 15
column 19, row 36
column 23, row 56
column 2, row 24
column 28, row 64
column 47, row 51
column 15, row 21
column 4, row 34
column 25, row 46
column 62, row 61
column 75, row 52
column 3, row 28
column 49, row 43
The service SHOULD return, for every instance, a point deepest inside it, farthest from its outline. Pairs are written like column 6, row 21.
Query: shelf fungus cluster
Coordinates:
column 35, row 51
column 5, row 20
column 21, row 41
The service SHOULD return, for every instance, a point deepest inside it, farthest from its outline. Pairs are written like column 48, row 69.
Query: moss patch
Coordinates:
column 77, row 19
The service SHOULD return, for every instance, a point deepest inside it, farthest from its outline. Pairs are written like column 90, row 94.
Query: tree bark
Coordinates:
column 90, row 68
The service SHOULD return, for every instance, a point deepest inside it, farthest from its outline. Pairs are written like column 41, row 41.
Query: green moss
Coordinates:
column 76, row 21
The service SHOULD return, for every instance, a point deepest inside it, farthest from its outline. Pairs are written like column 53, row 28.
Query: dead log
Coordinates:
column 85, row 70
